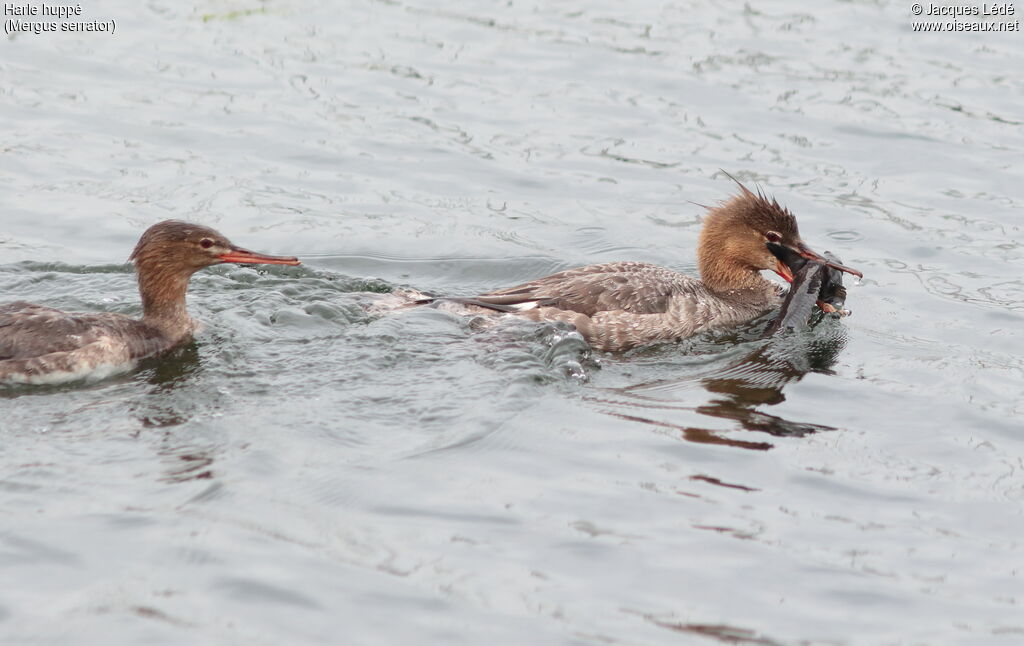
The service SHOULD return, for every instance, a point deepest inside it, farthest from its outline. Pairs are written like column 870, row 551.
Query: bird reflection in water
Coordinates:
column 795, row 343
column 172, row 368
column 743, row 387
column 758, row 380
column 167, row 406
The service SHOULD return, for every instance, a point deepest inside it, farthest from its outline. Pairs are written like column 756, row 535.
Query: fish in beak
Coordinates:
column 791, row 260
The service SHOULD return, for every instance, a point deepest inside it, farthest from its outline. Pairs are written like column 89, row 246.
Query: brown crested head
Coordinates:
column 732, row 248
column 167, row 255
column 184, row 247
column 751, row 233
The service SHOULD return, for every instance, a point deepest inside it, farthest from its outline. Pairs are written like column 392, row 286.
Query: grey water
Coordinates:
column 315, row 471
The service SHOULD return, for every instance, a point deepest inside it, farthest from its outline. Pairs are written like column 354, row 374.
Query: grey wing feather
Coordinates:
column 28, row 330
column 636, row 287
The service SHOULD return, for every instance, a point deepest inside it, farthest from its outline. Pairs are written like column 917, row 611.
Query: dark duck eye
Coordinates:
column 773, row 236
column 206, row 243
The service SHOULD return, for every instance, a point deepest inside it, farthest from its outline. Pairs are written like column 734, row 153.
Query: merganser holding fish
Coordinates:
column 43, row 345
column 621, row 305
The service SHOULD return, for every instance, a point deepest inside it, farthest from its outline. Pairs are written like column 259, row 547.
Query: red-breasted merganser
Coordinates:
column 43, row 345
column 620, row 305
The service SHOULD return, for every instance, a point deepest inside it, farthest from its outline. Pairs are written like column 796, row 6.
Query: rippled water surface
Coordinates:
column 312, row 470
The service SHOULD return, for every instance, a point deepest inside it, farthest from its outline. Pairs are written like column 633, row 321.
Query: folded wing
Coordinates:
column 638, row 288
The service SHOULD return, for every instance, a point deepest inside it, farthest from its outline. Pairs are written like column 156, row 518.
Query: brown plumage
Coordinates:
column 620, row 305
column 43, row 345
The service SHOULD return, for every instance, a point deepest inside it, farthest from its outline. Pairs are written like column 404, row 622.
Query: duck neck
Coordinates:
column 722, row 275
column 163, row 298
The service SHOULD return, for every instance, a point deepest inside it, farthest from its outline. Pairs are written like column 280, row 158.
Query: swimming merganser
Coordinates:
column 42, row 345
column 620, row 305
